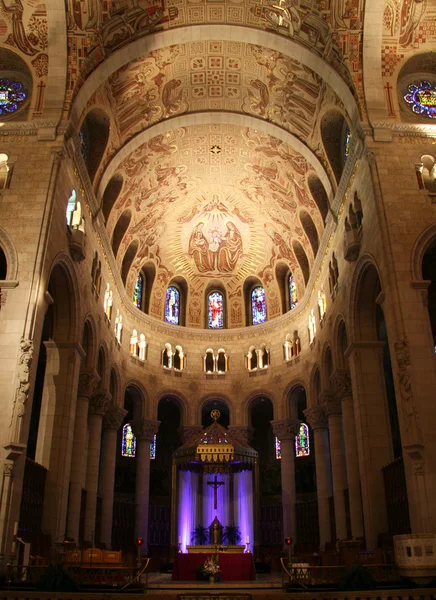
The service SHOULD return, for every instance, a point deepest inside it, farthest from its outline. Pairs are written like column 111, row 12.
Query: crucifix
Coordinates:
column 215, row 484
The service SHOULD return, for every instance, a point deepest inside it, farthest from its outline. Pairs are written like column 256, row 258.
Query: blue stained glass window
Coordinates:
column 422, row 97
column 11, row 96
column 302, row 441
column 347, row 141
column 153, row 448
column 293, row 298
column 172, row 305
column 278, row 449
column 137, row 292
column 215, row 308
column 258, row 305
column 128, row 442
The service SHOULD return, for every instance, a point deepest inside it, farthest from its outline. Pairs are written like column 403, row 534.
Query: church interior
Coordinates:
column 218, row 279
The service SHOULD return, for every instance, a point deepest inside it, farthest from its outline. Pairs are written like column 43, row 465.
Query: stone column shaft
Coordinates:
column 286, row 430
column 318, row 422
column 339, row 472
column 111, row 423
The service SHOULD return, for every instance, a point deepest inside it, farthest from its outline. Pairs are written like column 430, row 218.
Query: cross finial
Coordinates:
column 215, row 414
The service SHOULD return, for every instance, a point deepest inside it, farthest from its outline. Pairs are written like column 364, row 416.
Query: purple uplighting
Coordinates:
column 188, row 486
column 243, row 497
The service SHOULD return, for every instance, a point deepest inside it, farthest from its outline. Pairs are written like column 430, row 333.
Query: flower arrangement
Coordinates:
column 211, row 568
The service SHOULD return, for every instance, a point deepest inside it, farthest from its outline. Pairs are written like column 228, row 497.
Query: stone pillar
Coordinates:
column 144, row 430
column 286, row 430
column 97, row 408
column 317, row 420
column 87, row 382
column 373, row 432
column 332, row 406
column 341, row 383
column 56, row 430
column 112, row 421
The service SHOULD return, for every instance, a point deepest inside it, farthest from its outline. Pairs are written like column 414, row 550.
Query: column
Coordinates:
column 112, row 421
column 87, row 381
column 373, row 433
column 286, row 430
column 341, row 382
column 56, row 431
column 316, row 418
column 144, row 430
column 97, row 408
column 332, row 406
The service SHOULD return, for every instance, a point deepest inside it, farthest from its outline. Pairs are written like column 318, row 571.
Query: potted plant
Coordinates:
column 211, row 568
column 200, row 535
column 232, row 535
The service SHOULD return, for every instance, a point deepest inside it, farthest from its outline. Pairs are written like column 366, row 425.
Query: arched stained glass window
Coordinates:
column 278, row 449
column 172, row 305
column 153, row 448
column 258, row 305
column 293, row 298
column 128, row 442
column 302, row 441
column 422, row 98
column 137, row 292
column 347, row 141
column 215, row 310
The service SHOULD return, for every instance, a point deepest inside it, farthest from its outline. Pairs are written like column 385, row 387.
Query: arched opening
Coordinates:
column 310, row 231
column 101, row 365
column 282, row 271
column 111, row 194
column 149, row 272
column 215, row 309
column 342, row 345
column 258, row 305
column 3, row 265
column 88, row 345
column 333, row 129
column 215, row 404
column 113, row 386
column 301, row 256
column 128, row 259
column 175, row 301
column 319, row 195
column 93, row 135
column 429, row 274
column 328, row 366
column 209, row 361
column 120, row 230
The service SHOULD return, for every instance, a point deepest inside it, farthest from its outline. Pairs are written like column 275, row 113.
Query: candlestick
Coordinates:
column 247, row 539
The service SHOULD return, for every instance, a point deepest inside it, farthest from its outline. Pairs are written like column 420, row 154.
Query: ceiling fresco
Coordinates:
column 215, row 202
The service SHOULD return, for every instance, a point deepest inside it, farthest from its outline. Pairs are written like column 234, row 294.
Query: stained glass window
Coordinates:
column 215, row 310
column 302, row 441
column 172, row 305
column 258, row 305
column 422, row 97
column 347, row 141
column 128, row 442
column 11, row 96
column 278, row 449
column 137, row 292
column 293, row 298
column 153, row 448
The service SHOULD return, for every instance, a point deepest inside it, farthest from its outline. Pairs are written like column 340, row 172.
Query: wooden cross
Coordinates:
column 215, row 484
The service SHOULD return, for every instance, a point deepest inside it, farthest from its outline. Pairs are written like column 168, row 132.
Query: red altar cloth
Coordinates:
column 234, row 567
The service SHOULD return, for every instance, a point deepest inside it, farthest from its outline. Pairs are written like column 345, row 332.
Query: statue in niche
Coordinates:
column 216, row 532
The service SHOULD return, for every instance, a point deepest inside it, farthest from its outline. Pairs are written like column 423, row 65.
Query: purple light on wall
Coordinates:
column 223, row 500
column 243, row 490
column 188, row 486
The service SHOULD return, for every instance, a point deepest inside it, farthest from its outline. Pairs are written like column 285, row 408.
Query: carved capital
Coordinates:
column 286, row 429
column 114, row 418
column 187, row 432
column 98, row 403
column 242, row 433
column 341, row 384
column 8, row 469
column 330, row 402
column 316, row 417
column 145, row 429
column 88, row 381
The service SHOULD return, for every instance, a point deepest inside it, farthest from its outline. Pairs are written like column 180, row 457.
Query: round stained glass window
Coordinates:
column 422, row 97
column 12, row 94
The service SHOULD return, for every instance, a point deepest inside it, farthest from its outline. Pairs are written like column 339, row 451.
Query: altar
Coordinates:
column 214, row 549
column 234, row 567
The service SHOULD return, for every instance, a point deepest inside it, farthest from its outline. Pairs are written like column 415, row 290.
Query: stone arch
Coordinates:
column 372, row 60
column 115, row 386
column 332, row 122
column 180, row 399
column 102, row 364
column 57, row 61
column 289, row 411
column 340, row 335
column 423, row 243
column 248, row 401
column 88, row 341
column 129, row 257
column 94, row 136
column 64, row 289
column 423, row 266
column 282, row 272
column 365, row 288
column 221, row 398
column 419, row 67
column 8, row 247
column 120, row 230
column 16, row 70
column 310, row 231
column 327, row 365
column 111, row 193
column 143, row 403
column 319, row 194
column 314, row 387
column 303, row 261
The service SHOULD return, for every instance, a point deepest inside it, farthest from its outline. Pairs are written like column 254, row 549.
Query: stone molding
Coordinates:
column 330, row 402
column 412, row 432
column 98, row 403
column 88, row 380
column 316, row 417
column 286, row 429
column 187, row 432
column 114, row 418
column 242, row 433
column 145, row 429
column 341, row 384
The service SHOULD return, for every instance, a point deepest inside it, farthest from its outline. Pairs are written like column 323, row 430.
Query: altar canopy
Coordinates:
column 215, row 477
